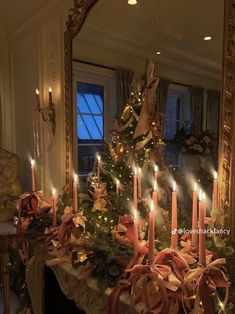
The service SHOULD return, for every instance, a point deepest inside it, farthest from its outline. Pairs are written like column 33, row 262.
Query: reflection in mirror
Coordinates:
column 184, row 40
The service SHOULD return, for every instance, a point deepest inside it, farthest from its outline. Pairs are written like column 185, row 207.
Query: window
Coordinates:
column 172, row 117
column 90, row 108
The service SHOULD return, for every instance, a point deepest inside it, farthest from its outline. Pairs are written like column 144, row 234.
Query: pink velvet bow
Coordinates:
column 205, row 280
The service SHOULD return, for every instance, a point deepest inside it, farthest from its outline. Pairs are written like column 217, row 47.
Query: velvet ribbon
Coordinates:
column 207, row 280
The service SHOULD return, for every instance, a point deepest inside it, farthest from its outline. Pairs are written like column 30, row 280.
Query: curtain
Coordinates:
column 124, row 80
column 212, row 111
column 161, row 97
column 197, row 99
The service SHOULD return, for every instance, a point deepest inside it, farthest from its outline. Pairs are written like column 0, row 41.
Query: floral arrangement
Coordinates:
column 189, row 143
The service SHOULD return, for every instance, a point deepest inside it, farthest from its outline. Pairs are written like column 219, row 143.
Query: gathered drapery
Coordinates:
column 161, row 97
column 196, row 100
column 124, row 80
column 212, row 111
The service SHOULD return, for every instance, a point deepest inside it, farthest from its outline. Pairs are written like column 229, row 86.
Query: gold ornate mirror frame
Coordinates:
column 227, row 120
column 77, row 17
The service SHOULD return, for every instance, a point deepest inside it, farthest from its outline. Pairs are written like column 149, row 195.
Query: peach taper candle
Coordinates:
column 75, row 192
column 174, row 219
column 202, row 247
column 195, row 218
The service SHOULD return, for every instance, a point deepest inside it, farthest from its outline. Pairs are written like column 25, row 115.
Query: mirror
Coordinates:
column 109, row 54
column 171, row 33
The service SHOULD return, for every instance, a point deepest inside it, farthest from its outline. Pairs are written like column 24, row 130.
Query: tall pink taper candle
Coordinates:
column 135, row 189
column 136, row 233
column 202, row 247
column 152, row 217
column 33, row 175
column 54, row 196
column 75, row 192
column 139, row 183
column 174, row 221
column 98, row 166
column 215, row 192
column 194, row 219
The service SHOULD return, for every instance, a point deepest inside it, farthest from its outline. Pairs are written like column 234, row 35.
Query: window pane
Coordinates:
column 92, row 127
column 170, row 129
column 82, row 106
column 92, row 104
column 83, row 133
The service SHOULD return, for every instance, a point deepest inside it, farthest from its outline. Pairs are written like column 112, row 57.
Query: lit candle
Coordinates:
column 75, row 192
column 155, row 196
column 202, row 248
column 117, row 186
column 50, row 95
column 135, row 188
column 33, row 175
column 136, row 233
column 174, row 222
column 194, row 219
column 98, row 166
column 37, row 98
column 215, row 192
column 152, row 217
column 156, row 169
column 139, row 183
column 54, row 209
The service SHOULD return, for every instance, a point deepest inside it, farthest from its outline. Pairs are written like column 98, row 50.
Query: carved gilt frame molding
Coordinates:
column 227, row 116
column 76, row 18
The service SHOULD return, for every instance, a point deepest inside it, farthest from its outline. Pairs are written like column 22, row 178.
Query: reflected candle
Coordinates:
column 174, row 221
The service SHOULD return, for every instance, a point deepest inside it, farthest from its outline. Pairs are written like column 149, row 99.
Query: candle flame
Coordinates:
column 135, row 170
column 203, row 196
column 156, row 168
column 215, row 175
column 117, row 182
column 195, row 187
column 200, row 195
column 37, row 91
column 75, row 178
column 135, row 214
column 53, row 192
column 152, row 206
column 32, row 162
column 174, row 186
column 98, row 157
column 139, row 170
column 155, row 186
column 50, row 90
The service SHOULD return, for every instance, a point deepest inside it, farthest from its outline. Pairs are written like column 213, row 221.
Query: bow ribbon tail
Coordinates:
column 203, row 292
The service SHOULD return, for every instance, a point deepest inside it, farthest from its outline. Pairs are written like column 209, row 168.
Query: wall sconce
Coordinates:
column 48, row 113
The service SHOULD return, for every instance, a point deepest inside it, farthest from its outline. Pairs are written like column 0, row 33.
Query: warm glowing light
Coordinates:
column 158, row 52
column 75, row 178
column 215, row 175
column 156, row 168
column 37, row 91
column 98, row 157
column 195, row 187
column 53, row 192
column 32, row 163
column 200, row 195
column 135, row 170
column 135, row 213
column 50, row 90
column 139, row 170
column 221, row 305
column 207, row 38
column 155, row 186
column 132, row 2
column 117, row 182
column 203, row 196
column 174, row 186
column 152, row 206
